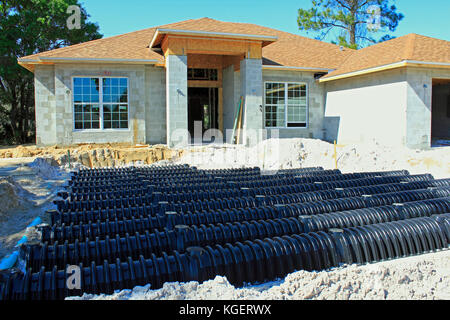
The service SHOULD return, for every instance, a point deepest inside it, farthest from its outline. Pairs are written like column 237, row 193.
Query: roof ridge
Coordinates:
column 280, row 31
column 178, row 24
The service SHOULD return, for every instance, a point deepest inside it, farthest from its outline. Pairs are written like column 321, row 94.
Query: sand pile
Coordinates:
column 415, row 278
column 10, row 197
column 270, row 155
column 297, row 153
column 46, row 167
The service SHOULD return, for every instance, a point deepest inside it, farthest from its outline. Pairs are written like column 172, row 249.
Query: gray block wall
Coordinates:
column 315, row 94
column 56, row 104
column 54, row 107
column 251, row 89
column 155, row 116
column 401, row 99
column 419, row 104
column 45, row 105
column 176, row 100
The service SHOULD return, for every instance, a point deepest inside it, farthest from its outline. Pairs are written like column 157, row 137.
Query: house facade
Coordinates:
column 161, row 85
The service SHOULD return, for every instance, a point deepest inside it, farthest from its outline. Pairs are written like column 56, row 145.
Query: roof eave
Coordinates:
column 98, row 60
column 30, row 64
column 400, row 64
column 160, row 33
column 294, row 68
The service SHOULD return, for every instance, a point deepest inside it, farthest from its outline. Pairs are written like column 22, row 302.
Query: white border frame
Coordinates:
column 285, row 106
column 100, row 103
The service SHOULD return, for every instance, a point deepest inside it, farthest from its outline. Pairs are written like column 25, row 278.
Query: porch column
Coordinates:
column 177, row 100
column 252, row 91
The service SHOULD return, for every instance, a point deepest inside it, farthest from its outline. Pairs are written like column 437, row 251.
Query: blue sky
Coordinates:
column 430, row 18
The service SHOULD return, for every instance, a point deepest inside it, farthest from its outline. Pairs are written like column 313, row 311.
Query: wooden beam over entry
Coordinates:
column 177, row 45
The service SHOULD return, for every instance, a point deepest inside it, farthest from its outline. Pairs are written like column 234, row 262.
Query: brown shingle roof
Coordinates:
column 290, row 49
column 412, row 47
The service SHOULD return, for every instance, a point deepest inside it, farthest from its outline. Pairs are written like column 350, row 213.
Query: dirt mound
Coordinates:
column 10, row 198
column 46, row 167
column 96, row 155
column 111, row 157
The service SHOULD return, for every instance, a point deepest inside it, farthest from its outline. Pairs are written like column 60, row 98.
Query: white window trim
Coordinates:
column 286, row 83
column 100, row 103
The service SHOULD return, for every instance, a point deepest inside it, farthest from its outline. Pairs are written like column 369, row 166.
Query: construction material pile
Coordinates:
column 128, row 227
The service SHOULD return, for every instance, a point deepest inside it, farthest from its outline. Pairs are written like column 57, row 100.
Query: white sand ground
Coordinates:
column 28, row 187
column 294, row 153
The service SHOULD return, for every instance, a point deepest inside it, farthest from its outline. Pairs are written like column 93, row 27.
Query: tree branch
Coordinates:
column 366, row 38
column 332, row 24
column 343, row 5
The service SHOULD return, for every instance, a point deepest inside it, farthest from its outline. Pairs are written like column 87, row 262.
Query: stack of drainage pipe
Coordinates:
column 124, row 227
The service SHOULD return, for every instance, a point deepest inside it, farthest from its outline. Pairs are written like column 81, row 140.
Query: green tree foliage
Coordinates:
column 355, row 20
column 28, row 27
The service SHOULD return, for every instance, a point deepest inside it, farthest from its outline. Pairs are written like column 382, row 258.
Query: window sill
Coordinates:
column 99, row 130
column 286, row 128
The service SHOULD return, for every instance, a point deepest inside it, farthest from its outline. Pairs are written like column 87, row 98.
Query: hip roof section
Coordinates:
column 281, row 48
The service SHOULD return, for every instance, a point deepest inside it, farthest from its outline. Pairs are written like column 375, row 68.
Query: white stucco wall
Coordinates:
column 392, row 107
column 367, row 108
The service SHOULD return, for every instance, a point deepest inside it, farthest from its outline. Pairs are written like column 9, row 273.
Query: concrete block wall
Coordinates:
column 367, row 108
column 155, row 116
column 392, row 107
column 176, row 100
column 62, row 112
column 419, row 109
column 45, row 105
column 315, row 103
column 251, row 88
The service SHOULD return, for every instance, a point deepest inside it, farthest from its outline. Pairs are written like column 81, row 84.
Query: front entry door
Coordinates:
column 202, row 106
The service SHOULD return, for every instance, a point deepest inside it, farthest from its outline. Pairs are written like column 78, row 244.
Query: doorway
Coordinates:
column 203, row 107
column 440, row 113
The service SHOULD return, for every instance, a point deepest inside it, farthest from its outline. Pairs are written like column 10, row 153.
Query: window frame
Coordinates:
column 100, row 103
column 286, row 105
column 208, row 71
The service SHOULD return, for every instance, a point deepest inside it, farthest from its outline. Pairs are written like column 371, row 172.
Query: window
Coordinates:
column 86, row 103
column 286, row 105
column 203, row 74
column 100, row 103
